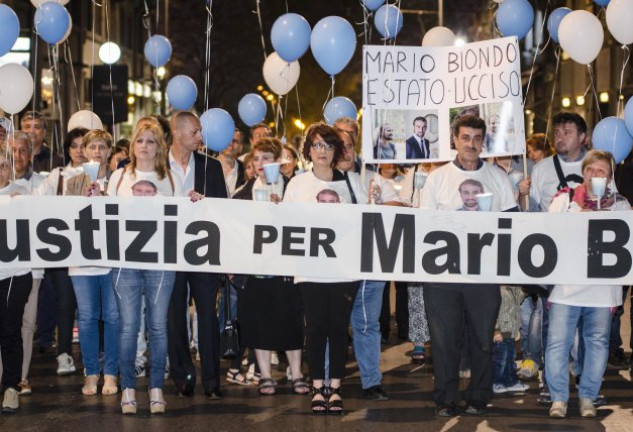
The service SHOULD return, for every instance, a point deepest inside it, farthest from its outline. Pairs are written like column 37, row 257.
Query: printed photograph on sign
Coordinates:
column 405, row 134
column 500, row 130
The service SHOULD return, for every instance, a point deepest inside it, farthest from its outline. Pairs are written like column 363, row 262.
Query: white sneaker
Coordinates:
column 519, row 387
column 65, row 364
column 587, row 409
column 10, row 403
column 139, row 370
column 274, row 359
column 499, row 389
column 558, row 409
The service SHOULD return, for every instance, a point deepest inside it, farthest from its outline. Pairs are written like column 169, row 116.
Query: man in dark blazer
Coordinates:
column 418, row 146
column 200, row 175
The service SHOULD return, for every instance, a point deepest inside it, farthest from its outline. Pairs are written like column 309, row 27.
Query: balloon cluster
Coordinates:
column 52, row 22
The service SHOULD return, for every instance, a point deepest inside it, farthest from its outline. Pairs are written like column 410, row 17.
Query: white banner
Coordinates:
column 411, row 95
column 316, row 240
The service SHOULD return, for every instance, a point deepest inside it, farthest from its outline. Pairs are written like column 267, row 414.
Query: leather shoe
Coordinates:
column 447, row 410
column 375, row 393
column 214, row 393
column 186, row 388
column 476, row 409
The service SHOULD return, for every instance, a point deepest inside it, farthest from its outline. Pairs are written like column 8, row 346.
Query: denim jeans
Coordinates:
column 596, row 326
column 95, row 299
column 531, row 329
column 222, row 306
column 504, row 367
column 366, row 331
column 130, row 285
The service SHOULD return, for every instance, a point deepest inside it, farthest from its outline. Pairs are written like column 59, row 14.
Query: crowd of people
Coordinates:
column 471, row 329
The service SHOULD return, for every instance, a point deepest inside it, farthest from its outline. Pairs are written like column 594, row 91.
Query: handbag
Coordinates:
column 229, row 338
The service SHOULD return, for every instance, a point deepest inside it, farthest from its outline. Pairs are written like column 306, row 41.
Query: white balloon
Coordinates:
column 581, row 35
column 16, row 87
column 619, row 19
column 38, row 3
column 280, row 75
column 438, row 37
column 85, row 119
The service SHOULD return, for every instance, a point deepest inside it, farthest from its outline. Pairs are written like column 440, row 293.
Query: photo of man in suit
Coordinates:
column 417, row 145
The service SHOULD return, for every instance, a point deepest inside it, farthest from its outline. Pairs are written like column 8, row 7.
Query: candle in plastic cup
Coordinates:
column 484, row 201
column 598, row 186
column 92, row 169
column 271, row 171
column 261, row 194
column 419, row 178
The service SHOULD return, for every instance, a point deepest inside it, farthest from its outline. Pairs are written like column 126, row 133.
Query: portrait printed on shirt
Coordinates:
column 468, row 191
column 328, row 196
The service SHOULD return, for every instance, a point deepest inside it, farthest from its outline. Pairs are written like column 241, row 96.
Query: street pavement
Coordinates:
column 57, row 405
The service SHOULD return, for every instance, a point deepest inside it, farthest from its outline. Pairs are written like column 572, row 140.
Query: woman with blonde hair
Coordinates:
column 148, row 161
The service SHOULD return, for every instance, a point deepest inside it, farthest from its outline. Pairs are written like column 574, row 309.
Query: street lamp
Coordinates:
column 109, row 53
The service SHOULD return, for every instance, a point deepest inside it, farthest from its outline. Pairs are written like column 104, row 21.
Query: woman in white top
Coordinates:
column 15, row 286
column 590, row 304
column 148, row 164
column 328, row 303
column 93, row 285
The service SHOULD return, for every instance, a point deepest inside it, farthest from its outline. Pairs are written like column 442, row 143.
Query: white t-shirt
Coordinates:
column 545, row 181
column 408, row 194
column 6, row 272
column 441, row 190
column 33, row 183
column 49, row 185
column 124, row 188
column 305, row 187
column 585, row 295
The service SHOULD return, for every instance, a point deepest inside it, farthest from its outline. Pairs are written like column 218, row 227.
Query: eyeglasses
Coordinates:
column 322, row 145
column 97, row 147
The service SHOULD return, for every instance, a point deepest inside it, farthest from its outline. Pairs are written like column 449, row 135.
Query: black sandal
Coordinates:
column 335, row 407
column 300, row 384
column 266, row 384
column 319, row 407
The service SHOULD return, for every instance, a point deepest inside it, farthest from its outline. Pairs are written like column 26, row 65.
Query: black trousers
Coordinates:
column 66, row 307
column 203, row 288
column 402, row 311
column 328, row 307
column 448, row 306
column 14, row 293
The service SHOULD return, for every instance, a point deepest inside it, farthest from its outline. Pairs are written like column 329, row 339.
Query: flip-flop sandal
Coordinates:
column 299, row 385
column 265, row 386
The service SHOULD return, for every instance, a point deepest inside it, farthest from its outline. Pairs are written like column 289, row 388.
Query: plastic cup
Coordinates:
column 261, row 194
column 598, row 186
column 92, row 169
column 271, row 171
column 419, row 179
column 484, row 201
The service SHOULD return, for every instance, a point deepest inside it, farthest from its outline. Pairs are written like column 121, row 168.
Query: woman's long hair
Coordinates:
column 160, row 161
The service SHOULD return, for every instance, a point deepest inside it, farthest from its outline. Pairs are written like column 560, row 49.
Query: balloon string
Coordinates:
column 333, row 81
column 207, row 74
column 283, row 119
column 536, row 54
column 157, row 13
column 107, row 17
column 55, row 85
column 329, row 93
column 261, row 27
column 593, row 88
column 145, row 19
column 627, row 57
column 35, row 68
column 551, row 101
column 92, row 64
column 298, row 103
column 69, row 60
column 7, row 148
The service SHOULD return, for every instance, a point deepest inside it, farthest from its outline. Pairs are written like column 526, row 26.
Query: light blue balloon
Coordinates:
column 611, row 134
column 9, row 29
column 372, row 5
column 157, row 50
column 333, row 42
column 628, row 116
column 553, row 22
column 388, row 20
column 252, row 109
column 602, row 3
column 338, row 107
column 182, row 92
column 290, row 36
column 515, row 18
column 218, row 128
column 51, row 22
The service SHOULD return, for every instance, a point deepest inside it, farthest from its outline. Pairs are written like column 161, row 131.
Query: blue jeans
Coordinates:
column 504, row 367
column 531, row 329
column 95, row 299
column 129, row 286
column 366, row 331
column 222, row 306
column 563, row 320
